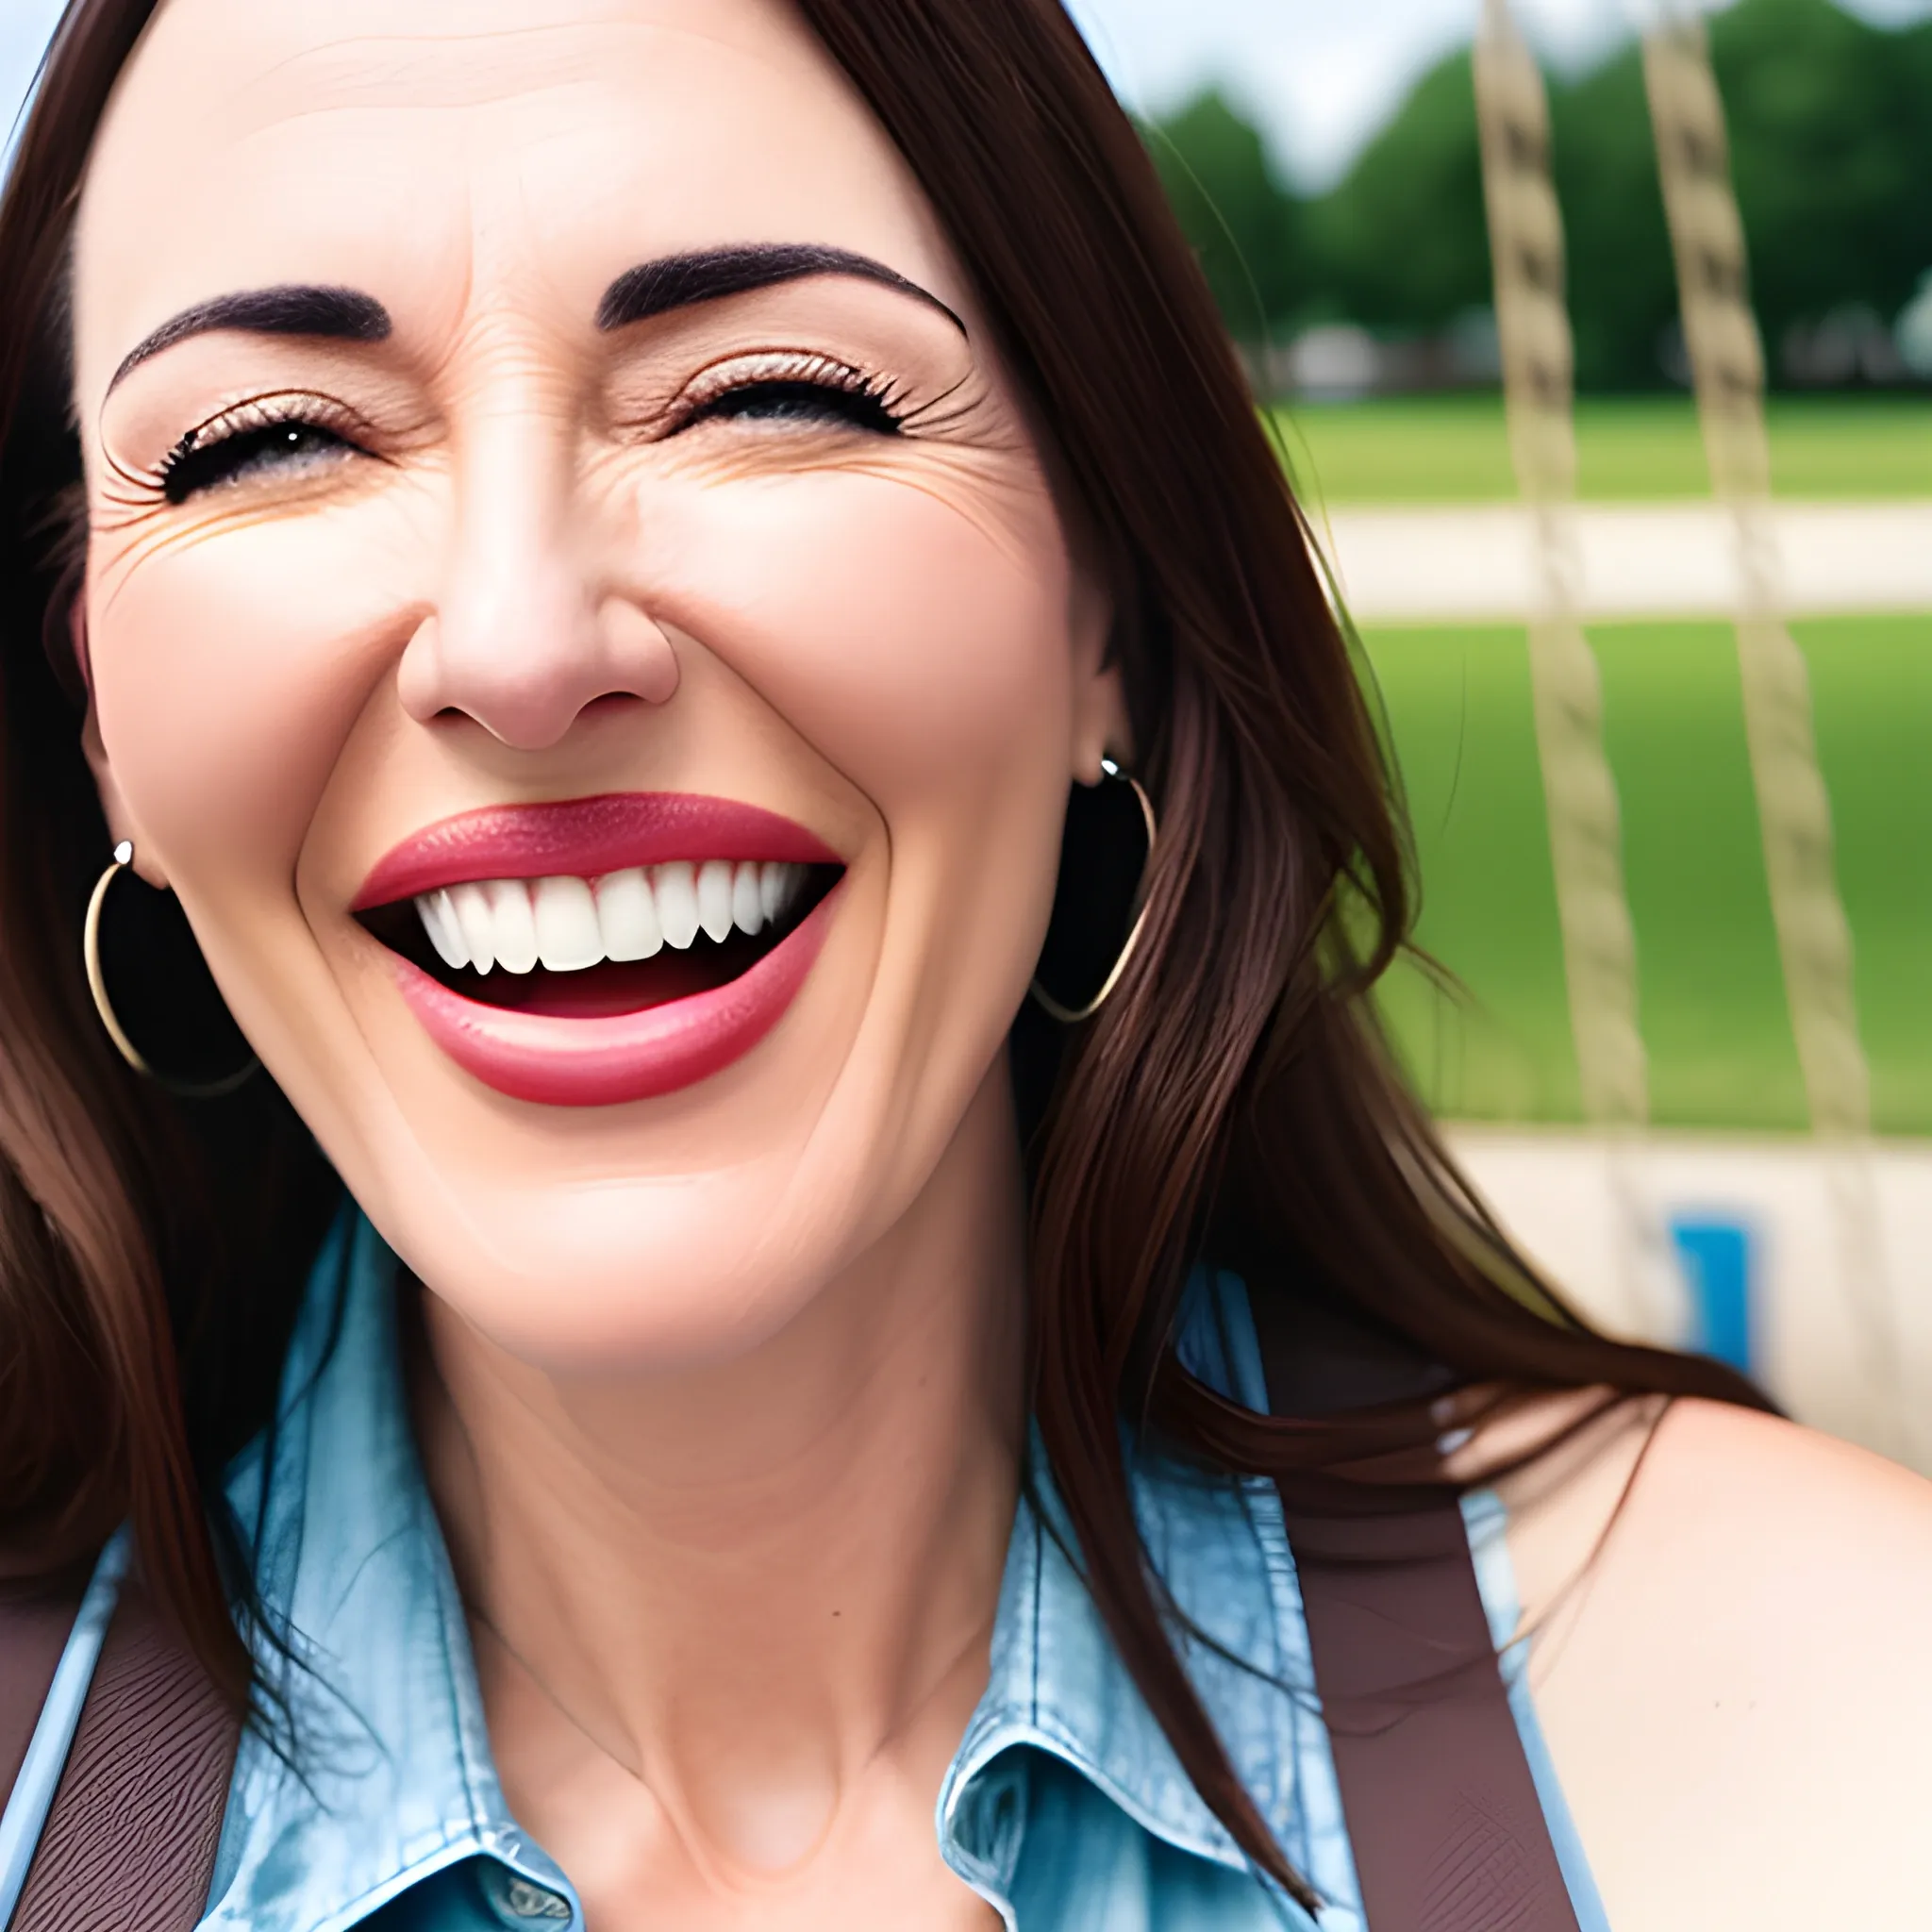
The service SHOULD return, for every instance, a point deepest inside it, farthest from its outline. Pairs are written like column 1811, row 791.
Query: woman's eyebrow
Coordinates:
column 343, row 315
column 680, row 281
column 653, row 287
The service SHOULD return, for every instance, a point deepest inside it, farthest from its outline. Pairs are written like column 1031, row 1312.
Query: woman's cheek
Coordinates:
column 910, row 641
column 925, row 654
column 228, row 672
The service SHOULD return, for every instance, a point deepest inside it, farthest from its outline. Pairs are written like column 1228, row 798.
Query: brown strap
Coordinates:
column 130, row 1842
column 1447, row 1830
column 33, row 1633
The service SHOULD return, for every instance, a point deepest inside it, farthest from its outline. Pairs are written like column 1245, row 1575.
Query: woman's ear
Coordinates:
column 1103, row 731
column 120, row 822
column 1101, row 726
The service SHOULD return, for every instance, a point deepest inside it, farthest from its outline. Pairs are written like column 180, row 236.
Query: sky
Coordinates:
column 1320, row 75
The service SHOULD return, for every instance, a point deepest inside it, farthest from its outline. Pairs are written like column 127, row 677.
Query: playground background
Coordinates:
column 1360, row 296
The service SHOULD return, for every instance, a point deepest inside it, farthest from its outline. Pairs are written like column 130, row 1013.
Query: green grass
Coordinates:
column 1459, row 711
column 1454, row 449
column 1710, row 988
column 1872, row 688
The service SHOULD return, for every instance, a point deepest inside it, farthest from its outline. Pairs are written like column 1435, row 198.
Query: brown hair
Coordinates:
column 1233, row 1099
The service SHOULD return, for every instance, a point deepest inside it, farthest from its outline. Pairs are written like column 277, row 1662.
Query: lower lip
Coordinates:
column 629, row 1057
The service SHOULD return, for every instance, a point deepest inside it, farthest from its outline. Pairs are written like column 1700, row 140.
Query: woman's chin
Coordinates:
column 666, row 1232
column 618, row 1278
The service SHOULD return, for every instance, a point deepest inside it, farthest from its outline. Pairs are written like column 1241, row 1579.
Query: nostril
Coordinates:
column 527, row 675
column 637, row 650
column 533, row 729
column 613, row 701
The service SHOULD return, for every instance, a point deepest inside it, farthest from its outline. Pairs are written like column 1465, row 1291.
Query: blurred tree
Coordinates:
column 1244, row 223
column 1399, row 244
column 1831, row 148
column 1831, row 132
column 1623, row 285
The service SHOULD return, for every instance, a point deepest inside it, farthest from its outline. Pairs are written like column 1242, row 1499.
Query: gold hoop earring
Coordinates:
column 1072, row 1016
column 97, row 985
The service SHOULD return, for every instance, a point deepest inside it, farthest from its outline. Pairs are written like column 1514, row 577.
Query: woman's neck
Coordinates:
column 745, row 1586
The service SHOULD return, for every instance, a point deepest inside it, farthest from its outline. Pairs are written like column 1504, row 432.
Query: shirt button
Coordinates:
column 529, row 1900
column 517, row 1900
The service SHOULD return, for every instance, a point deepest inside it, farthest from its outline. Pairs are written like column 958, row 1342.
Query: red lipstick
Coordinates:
column 604, row 1035
column 585, row 836
column 628, row 1057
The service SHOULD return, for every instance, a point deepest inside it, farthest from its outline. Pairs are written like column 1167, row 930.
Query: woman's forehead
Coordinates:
column 453, row 151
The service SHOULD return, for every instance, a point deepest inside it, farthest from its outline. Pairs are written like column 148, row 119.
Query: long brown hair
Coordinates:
column 1233, row 1099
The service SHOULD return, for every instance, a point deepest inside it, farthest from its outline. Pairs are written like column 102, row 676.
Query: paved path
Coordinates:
column 1478, row 564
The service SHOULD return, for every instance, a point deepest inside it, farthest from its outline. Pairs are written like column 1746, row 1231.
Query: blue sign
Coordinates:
column 1717, row 1259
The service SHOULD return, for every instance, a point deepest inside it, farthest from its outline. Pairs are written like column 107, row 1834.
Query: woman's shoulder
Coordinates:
column 1798, row 1537
column 1728, row 1655
column 1767, row 1487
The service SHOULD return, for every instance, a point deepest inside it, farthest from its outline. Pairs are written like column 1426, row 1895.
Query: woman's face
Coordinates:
column 555, row 505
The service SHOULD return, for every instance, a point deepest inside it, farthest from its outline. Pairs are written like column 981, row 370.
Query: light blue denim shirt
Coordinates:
column 1064, row 1807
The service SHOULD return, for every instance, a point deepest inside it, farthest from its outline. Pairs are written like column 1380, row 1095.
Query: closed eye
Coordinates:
column 275, row 436
column 789, row 388
column 800, row 402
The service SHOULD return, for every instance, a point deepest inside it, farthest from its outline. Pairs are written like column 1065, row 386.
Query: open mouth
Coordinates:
column 574, row 948
column 595, row 951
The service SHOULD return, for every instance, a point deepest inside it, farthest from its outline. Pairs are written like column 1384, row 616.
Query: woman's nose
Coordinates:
column 524, row 638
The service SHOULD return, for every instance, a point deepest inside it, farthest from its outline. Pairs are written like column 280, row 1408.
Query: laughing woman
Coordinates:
column 699, row 1222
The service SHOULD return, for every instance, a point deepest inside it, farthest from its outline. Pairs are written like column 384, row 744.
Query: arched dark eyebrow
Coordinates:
column 654, row 288
column 343, row 315
column 679, row 281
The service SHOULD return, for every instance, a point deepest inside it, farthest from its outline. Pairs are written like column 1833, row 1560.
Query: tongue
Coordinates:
column 602, row 991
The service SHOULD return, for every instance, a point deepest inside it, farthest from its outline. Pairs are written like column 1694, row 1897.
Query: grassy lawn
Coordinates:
column 1454, row 449
column 1710, row 990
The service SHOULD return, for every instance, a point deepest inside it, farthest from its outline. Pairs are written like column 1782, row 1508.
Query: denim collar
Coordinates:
column 391, row 1784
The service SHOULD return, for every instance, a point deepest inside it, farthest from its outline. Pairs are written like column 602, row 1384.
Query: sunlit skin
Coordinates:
column 724, row 1410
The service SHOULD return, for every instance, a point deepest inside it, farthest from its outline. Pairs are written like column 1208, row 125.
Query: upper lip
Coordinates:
column 585, row 836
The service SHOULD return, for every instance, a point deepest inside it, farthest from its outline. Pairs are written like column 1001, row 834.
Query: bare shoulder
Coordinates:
column 1743, row 1506
column 1778, row 1464
column 1731, row 1664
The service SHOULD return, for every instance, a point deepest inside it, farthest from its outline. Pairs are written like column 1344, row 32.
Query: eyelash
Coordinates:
column 790, row 382
column 227, row 446
column 793, row 385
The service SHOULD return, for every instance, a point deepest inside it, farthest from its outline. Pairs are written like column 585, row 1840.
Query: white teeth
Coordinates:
column 627, row 915
column 770, row 890
column 714, row 898
column 677, row 903
column 779, row 887
column 747, row 907
column 439, row 922
column 568, row 924
column 568, row 936
column 516, row 926
column 472, row 904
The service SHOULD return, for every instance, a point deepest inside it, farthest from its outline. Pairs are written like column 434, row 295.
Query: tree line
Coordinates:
column 1831, row 136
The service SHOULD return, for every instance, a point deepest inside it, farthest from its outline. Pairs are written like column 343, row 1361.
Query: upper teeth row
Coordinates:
column 569, row 923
